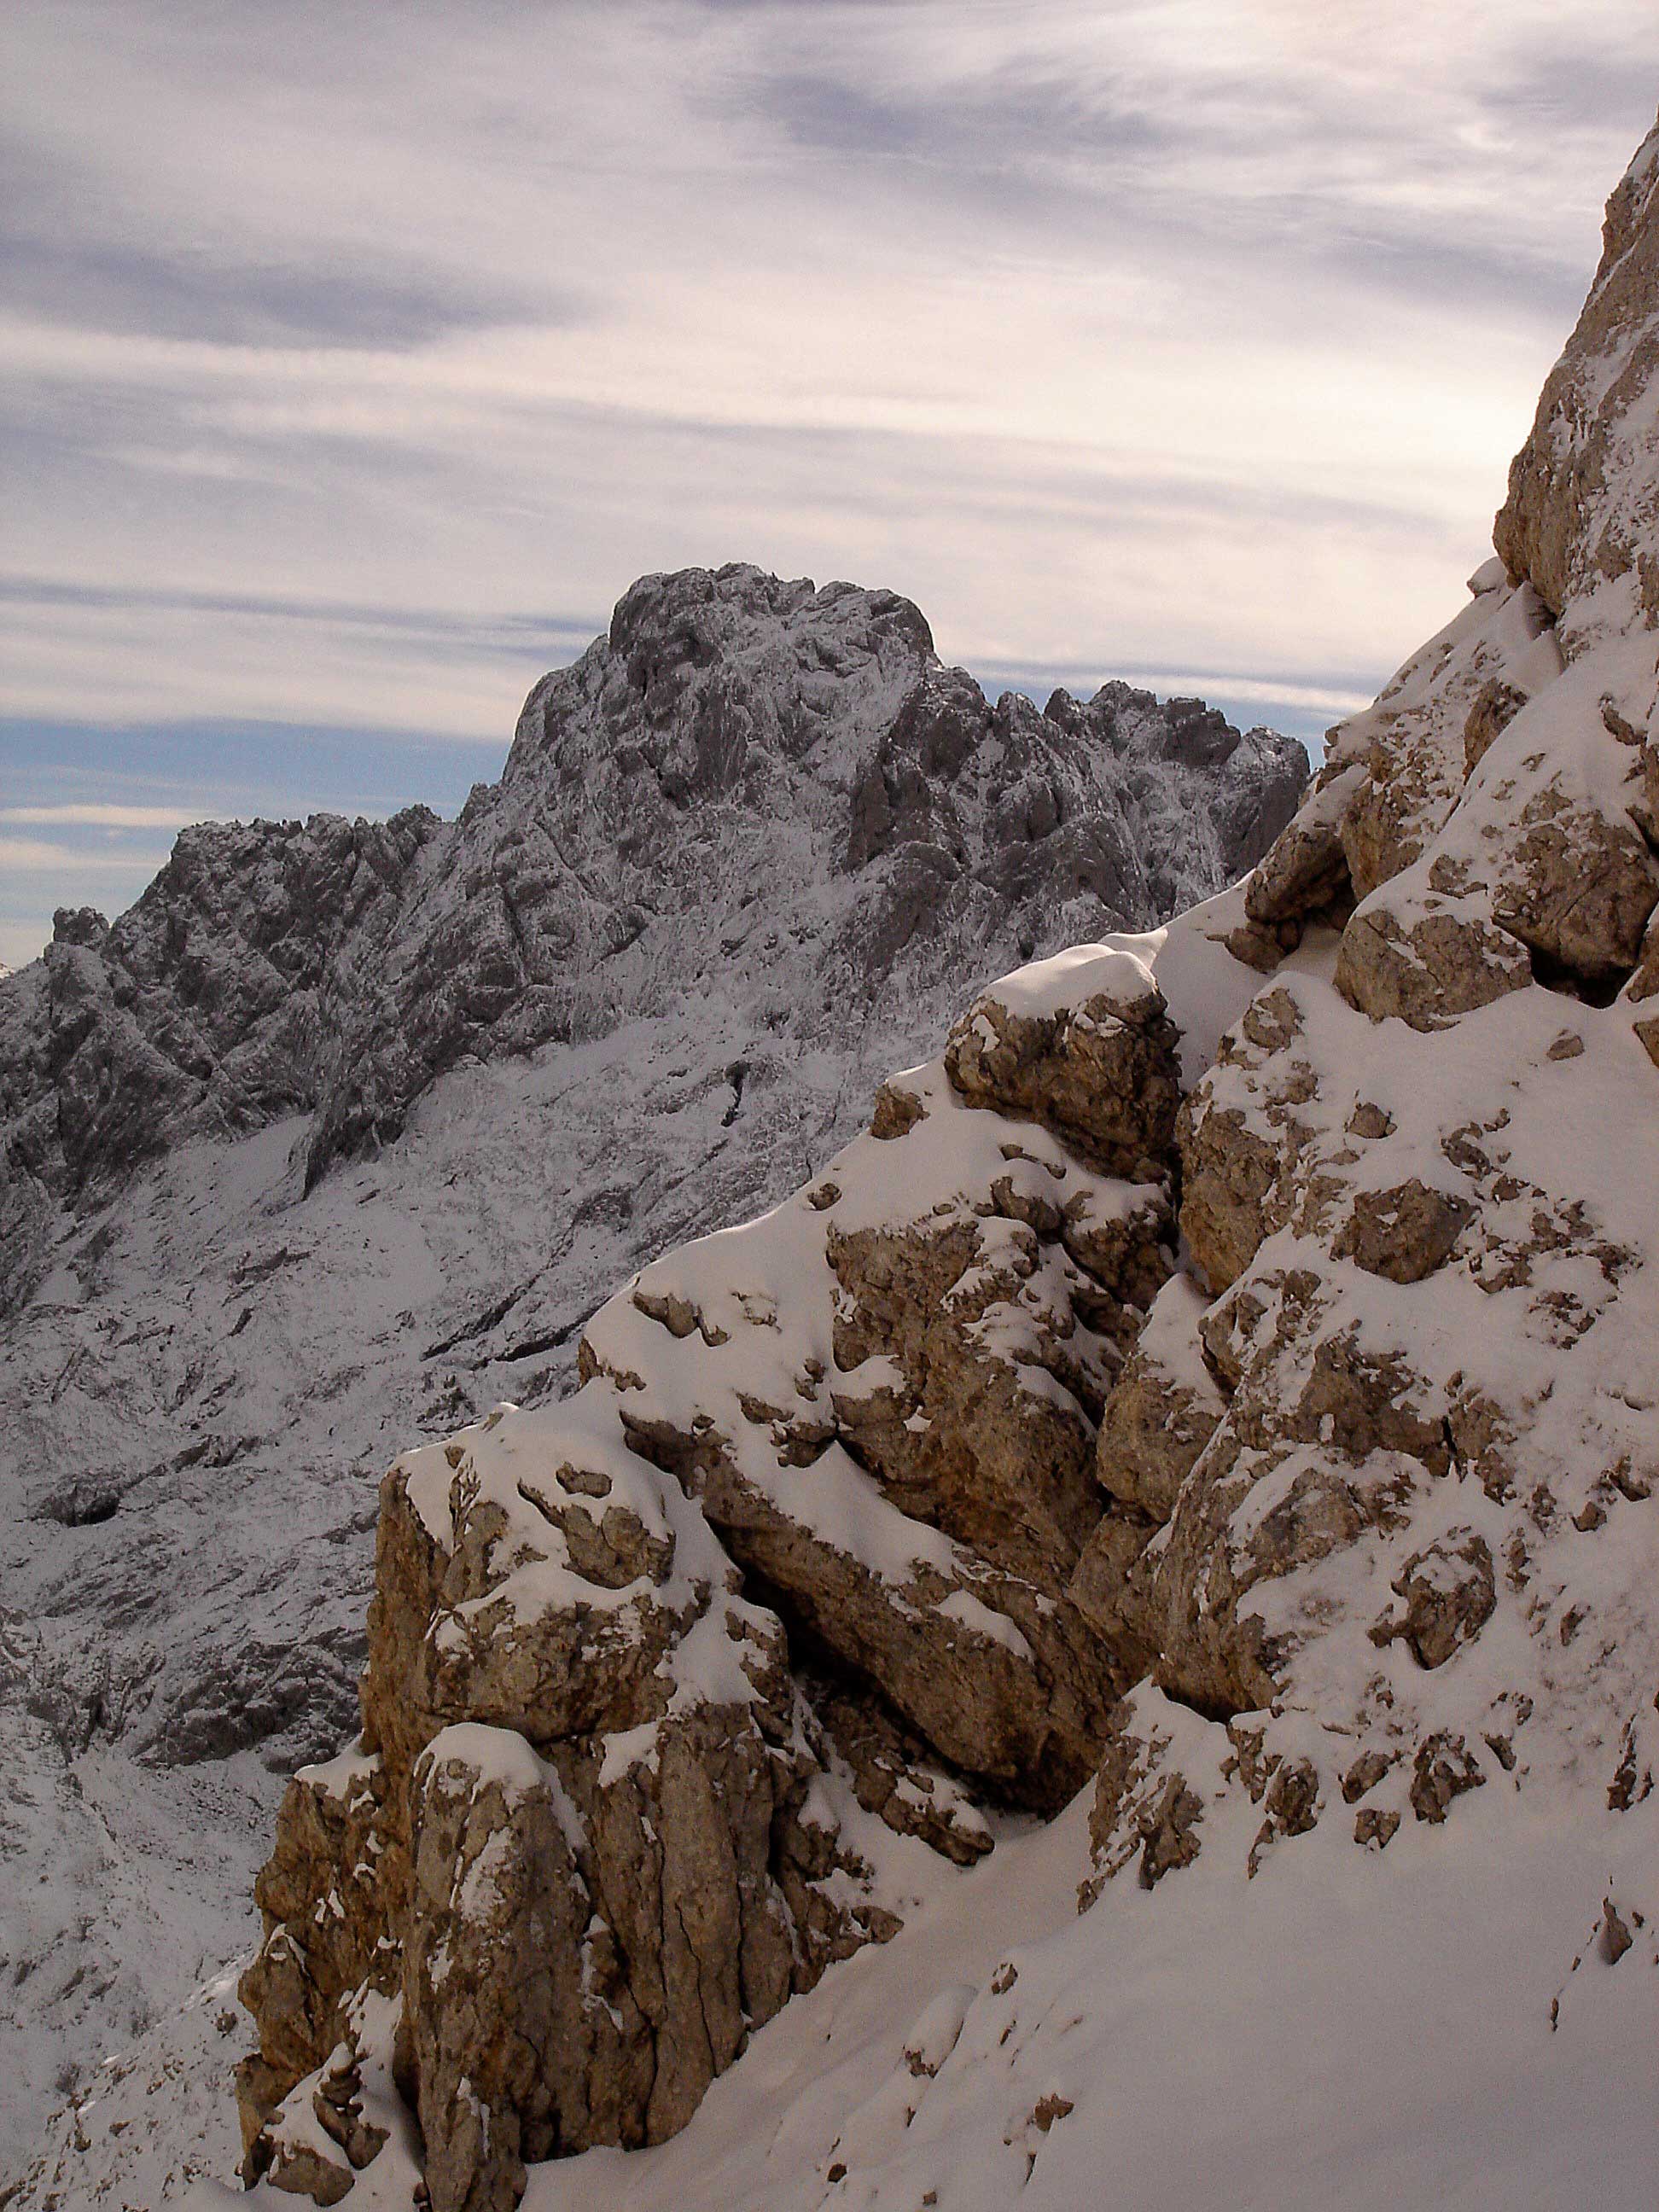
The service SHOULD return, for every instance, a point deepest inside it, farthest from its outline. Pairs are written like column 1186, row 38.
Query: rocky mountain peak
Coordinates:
column 701, row 667
column 737, row 749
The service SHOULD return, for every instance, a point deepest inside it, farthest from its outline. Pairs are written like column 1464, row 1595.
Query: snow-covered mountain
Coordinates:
column 1209, row 1410
column 1106, row 1649
column 345, row 1130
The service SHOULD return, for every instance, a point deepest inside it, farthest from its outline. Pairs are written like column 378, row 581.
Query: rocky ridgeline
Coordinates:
column 948, row 1484
column 750, row 786
column 753, row 850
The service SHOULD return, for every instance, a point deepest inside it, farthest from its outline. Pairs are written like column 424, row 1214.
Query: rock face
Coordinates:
column 1583, row 491
column 206, row 1006
column 1418, row 1280
column 1223, row 1377
column 757, row 847
column 741, row 763
column 586, row 1619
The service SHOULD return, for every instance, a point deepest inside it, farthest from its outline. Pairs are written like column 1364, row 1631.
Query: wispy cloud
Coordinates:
column 346, row 380
column 100, row 816
column 40, row 856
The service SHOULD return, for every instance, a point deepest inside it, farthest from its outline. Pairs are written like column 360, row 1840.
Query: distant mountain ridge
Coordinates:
column 753, row 849
column 737, row 746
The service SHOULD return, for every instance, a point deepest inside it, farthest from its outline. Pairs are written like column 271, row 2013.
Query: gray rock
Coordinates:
column 741, row 764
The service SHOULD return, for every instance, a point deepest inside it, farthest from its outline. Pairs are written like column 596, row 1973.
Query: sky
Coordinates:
column 355, row 359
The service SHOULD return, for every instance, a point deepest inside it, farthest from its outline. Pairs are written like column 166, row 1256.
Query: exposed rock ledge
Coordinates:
column 946, row 1486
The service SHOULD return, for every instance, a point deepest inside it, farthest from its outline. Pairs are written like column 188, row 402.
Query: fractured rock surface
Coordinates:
column 584, row 1618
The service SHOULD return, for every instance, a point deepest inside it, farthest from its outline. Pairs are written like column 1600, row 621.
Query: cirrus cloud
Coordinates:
column 347, row 379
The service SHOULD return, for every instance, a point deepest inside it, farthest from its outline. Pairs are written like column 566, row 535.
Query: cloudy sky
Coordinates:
column 355, row 358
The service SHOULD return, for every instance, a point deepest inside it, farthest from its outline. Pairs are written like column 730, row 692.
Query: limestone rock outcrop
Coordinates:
column 797, row 1551
column 1420, row 1282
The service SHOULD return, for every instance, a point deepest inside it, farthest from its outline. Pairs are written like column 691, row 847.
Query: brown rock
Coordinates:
column 1242, row 1163
column 1400, row 807
column 448, row 1640
column 670, row 1898
column 493, row 1954
column 1450, row 1593
column 1434, row 959
column 1144, row 1811
column 1370, row 1121
column 1169, row 1832
column 337, row 2105
column 1306, row 871
column 964, row 1441
column 1235, row 1188
column 1338, row 1446
column 1496, row 706
column 1364, row 1774
column 1642, row 988
column 894, row 1779
column 302, row 2170
column 1260, row 947
column 1581, row 484
column 897, row 1112
column 1614, row 1937
column 335, row 1877
column 1002, row 1681
column 260, row 2087
column 1162, row 1410
column 1113, row 1588
column 1575, row 886
column 1102, row 1076
column 1404, row 1233
column 1291, row 1801
column 1445, row 1769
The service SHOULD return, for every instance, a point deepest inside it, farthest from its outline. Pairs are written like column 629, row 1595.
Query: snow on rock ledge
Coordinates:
column 796, row 1553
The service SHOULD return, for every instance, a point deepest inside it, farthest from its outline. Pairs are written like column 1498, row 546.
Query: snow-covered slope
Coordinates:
column 757, row 847
column 692, row 1848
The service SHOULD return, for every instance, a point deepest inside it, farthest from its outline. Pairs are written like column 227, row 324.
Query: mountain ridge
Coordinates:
column 336, row 967
column 212, row 1351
